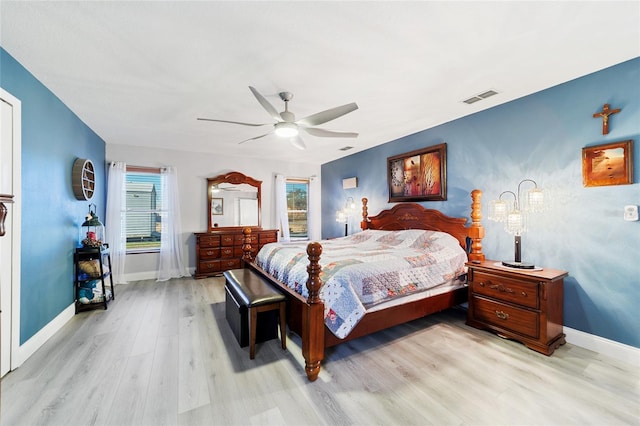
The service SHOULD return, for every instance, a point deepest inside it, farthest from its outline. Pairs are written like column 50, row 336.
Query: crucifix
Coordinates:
column 605, row 113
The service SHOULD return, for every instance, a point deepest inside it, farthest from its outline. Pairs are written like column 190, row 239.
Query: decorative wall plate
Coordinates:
column 83, row 179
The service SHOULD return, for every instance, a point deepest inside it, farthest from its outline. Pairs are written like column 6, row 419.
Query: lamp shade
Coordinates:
column 498, row 210
column 515, row 222
column 535, row 200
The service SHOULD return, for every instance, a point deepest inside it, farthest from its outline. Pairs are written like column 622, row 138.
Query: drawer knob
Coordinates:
column 481, row 283
column 502, row 315
column 524, row 294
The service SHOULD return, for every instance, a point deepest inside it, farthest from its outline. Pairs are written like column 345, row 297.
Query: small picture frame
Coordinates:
column 419, row 175
column 217, row 206
column 608, row 164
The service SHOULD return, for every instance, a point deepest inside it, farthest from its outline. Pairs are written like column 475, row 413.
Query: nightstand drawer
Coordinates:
column 508, row 317
column 521, row 292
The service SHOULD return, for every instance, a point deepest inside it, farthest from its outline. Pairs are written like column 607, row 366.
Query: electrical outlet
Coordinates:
column 631, row 213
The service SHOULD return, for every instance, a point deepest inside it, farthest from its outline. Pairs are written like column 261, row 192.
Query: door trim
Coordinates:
column 14, row 231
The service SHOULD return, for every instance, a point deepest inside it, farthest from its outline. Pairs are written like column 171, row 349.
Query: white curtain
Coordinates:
column 314, row 210
column 282, row 219
column 116, row 220
column 170, row 265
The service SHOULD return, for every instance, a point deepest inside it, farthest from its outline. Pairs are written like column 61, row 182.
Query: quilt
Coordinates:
column 366, row 269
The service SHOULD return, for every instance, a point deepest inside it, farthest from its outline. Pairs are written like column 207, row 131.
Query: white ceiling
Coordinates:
column 140, row 73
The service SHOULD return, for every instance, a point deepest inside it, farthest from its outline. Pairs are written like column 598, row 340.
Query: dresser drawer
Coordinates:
column 208, row 266
column 505, row 316
column 238, row 240
column 227, row 239
column 521, row 292
column 209, row 253
column 253, row 239
column 270, row 237
column 226, row 264
column 238, row 252
column 226, row 252
column 209, row 241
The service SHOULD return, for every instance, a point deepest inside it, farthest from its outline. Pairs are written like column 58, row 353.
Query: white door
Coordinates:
column 9, row 272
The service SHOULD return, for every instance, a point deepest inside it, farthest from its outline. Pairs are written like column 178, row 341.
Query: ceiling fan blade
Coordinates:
column 235, row 122
column 266, row 105
column 328, row 115
column 322, row 133
column 298, row 142
column 253, row 139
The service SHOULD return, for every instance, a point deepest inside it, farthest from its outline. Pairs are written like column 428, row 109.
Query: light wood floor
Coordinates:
column 163, row 354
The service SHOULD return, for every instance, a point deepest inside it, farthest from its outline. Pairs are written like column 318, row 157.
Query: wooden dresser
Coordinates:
column 218, row 251
column 518, row 304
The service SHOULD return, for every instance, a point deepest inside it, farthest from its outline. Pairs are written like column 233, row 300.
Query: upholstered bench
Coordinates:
column 249, row 301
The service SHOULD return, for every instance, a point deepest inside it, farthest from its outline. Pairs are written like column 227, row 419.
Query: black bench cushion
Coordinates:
column 251, row 289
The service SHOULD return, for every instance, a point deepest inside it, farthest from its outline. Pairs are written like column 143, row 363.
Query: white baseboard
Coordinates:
column 140, row 276
column 29, row 347
column 610, row 348
column 149, row 275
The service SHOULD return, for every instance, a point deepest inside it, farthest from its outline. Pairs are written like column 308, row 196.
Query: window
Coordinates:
column 144, row 208
column 297, row 206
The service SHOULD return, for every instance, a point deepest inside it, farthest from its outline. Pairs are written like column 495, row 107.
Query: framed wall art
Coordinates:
column 217, row 206
column 419, row 175
column 608, row 164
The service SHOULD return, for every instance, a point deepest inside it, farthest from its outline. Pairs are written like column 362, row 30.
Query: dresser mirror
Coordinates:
column 233, row 200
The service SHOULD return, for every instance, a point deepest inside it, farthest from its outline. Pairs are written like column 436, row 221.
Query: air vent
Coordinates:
column 479, row 97
column 472, row 100
column 346, row 148
column 488, row 93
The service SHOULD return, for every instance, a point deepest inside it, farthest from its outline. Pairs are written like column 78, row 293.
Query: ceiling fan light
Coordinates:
column 286, row 130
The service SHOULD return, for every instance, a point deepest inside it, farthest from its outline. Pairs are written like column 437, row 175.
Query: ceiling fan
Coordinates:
column 287, row 126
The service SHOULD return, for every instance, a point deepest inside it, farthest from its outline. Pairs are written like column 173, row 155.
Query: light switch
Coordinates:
column 631, row 213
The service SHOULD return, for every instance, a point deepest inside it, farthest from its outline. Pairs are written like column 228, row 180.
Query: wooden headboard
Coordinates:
column 414, row 216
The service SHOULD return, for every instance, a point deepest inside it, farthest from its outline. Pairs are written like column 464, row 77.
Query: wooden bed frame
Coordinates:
column 305, row 317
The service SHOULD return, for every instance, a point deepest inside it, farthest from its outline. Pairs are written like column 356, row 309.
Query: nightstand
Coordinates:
column 520, row 304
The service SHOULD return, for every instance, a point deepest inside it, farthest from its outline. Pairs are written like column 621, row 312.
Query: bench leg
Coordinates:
column 253, row 323
column 283, row 324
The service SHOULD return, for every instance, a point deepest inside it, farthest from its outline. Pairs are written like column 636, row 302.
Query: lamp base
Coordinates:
column 518, row 265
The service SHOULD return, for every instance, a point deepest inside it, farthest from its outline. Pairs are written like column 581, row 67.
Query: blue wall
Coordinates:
column 52, row 138
column 539, row 137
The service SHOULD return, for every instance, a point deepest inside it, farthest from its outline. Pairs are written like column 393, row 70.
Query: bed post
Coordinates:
column 313, row 316
column 476, row 230
column 246, row 246
column 365, row 215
